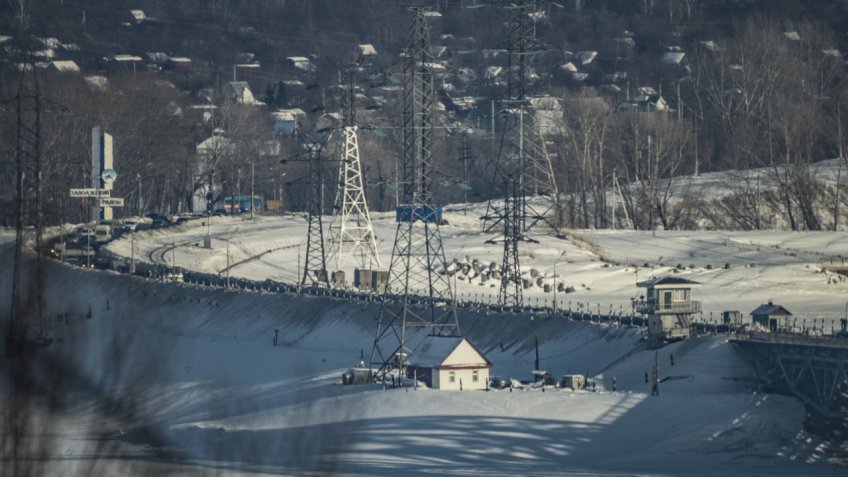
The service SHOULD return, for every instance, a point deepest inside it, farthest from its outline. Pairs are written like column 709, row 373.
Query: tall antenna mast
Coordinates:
column 523, row 153
column 351, row 231
column 418, row 265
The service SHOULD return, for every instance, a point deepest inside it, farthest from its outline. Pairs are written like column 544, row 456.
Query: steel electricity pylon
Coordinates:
column 522, row 152
column 26, row 323
column 315, row 263
column 351, row 232
column 510, row 293
column 418, row 268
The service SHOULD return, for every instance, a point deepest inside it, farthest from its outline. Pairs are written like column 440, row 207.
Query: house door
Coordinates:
column 666, row 304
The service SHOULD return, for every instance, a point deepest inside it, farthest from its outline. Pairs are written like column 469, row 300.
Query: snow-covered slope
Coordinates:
column 166, row 378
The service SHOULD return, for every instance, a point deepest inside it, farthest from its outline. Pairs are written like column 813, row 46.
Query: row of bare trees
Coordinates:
column 764, row 108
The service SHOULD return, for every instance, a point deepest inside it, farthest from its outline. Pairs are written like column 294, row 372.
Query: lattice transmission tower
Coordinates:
column 26, row 323
column 351, row 232
column 522, row 152
column 315, row 263
column 510, row 293
column 418, row 265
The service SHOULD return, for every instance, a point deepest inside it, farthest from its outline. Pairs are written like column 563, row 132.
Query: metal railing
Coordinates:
column 658, row 307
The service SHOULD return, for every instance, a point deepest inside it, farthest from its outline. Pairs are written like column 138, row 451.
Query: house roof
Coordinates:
column 666, row 282
column 367, row 49
column 126, row 58
column 672, row 57
column 433, row 351
column 66, row 66
column 239, row 87
column 288, row 114
column 213, row 144
column 585, row 57
column 770, row 309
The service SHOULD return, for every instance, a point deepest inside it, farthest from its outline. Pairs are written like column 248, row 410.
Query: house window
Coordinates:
column 474, row 376
column 451, row 377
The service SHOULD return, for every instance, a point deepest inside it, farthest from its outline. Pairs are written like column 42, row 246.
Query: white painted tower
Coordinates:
column 351, row 233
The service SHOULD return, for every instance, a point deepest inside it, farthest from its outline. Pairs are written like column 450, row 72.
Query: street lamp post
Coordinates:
column 228, row 263
column 561, row 256
column 252, row 187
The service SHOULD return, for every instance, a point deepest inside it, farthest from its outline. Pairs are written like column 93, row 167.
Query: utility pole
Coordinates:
column 138, row 178
column 252, row 187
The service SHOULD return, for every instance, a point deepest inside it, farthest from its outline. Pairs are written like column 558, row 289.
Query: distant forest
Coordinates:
column 645, row 93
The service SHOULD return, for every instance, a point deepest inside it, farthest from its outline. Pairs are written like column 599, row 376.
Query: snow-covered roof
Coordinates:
column 431, row 13
column 667, row 282
column 65, row 66
column 367, row 49
column 672, row 57
column 770, row 309
column 242, row 92
column 288, row 114
column 5, row 38
column 180, row 59
column 45, row 53
column 301, row 63
column 433, row 351
column 792, row 35
column 647, row 91
column 834, row 52
column 138, row 15
column 569, row 67
column 214, row 144
column 585, row 57
column 124, row 58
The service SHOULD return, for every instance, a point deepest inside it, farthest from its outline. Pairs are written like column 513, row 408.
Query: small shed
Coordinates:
column 449, row 363
column 772, row 317
column 285, row 120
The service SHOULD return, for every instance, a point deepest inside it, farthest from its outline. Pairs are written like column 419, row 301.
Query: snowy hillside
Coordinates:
column 185, row 379
column 168, row 378
column 738, row 270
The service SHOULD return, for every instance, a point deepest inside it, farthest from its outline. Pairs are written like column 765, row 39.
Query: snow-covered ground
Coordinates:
column 180, row 379
column 738, row 270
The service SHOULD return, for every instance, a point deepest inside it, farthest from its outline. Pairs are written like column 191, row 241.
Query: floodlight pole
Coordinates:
column 252, row 187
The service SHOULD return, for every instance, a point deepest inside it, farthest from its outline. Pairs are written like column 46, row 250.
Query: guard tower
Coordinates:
column 669, row 306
